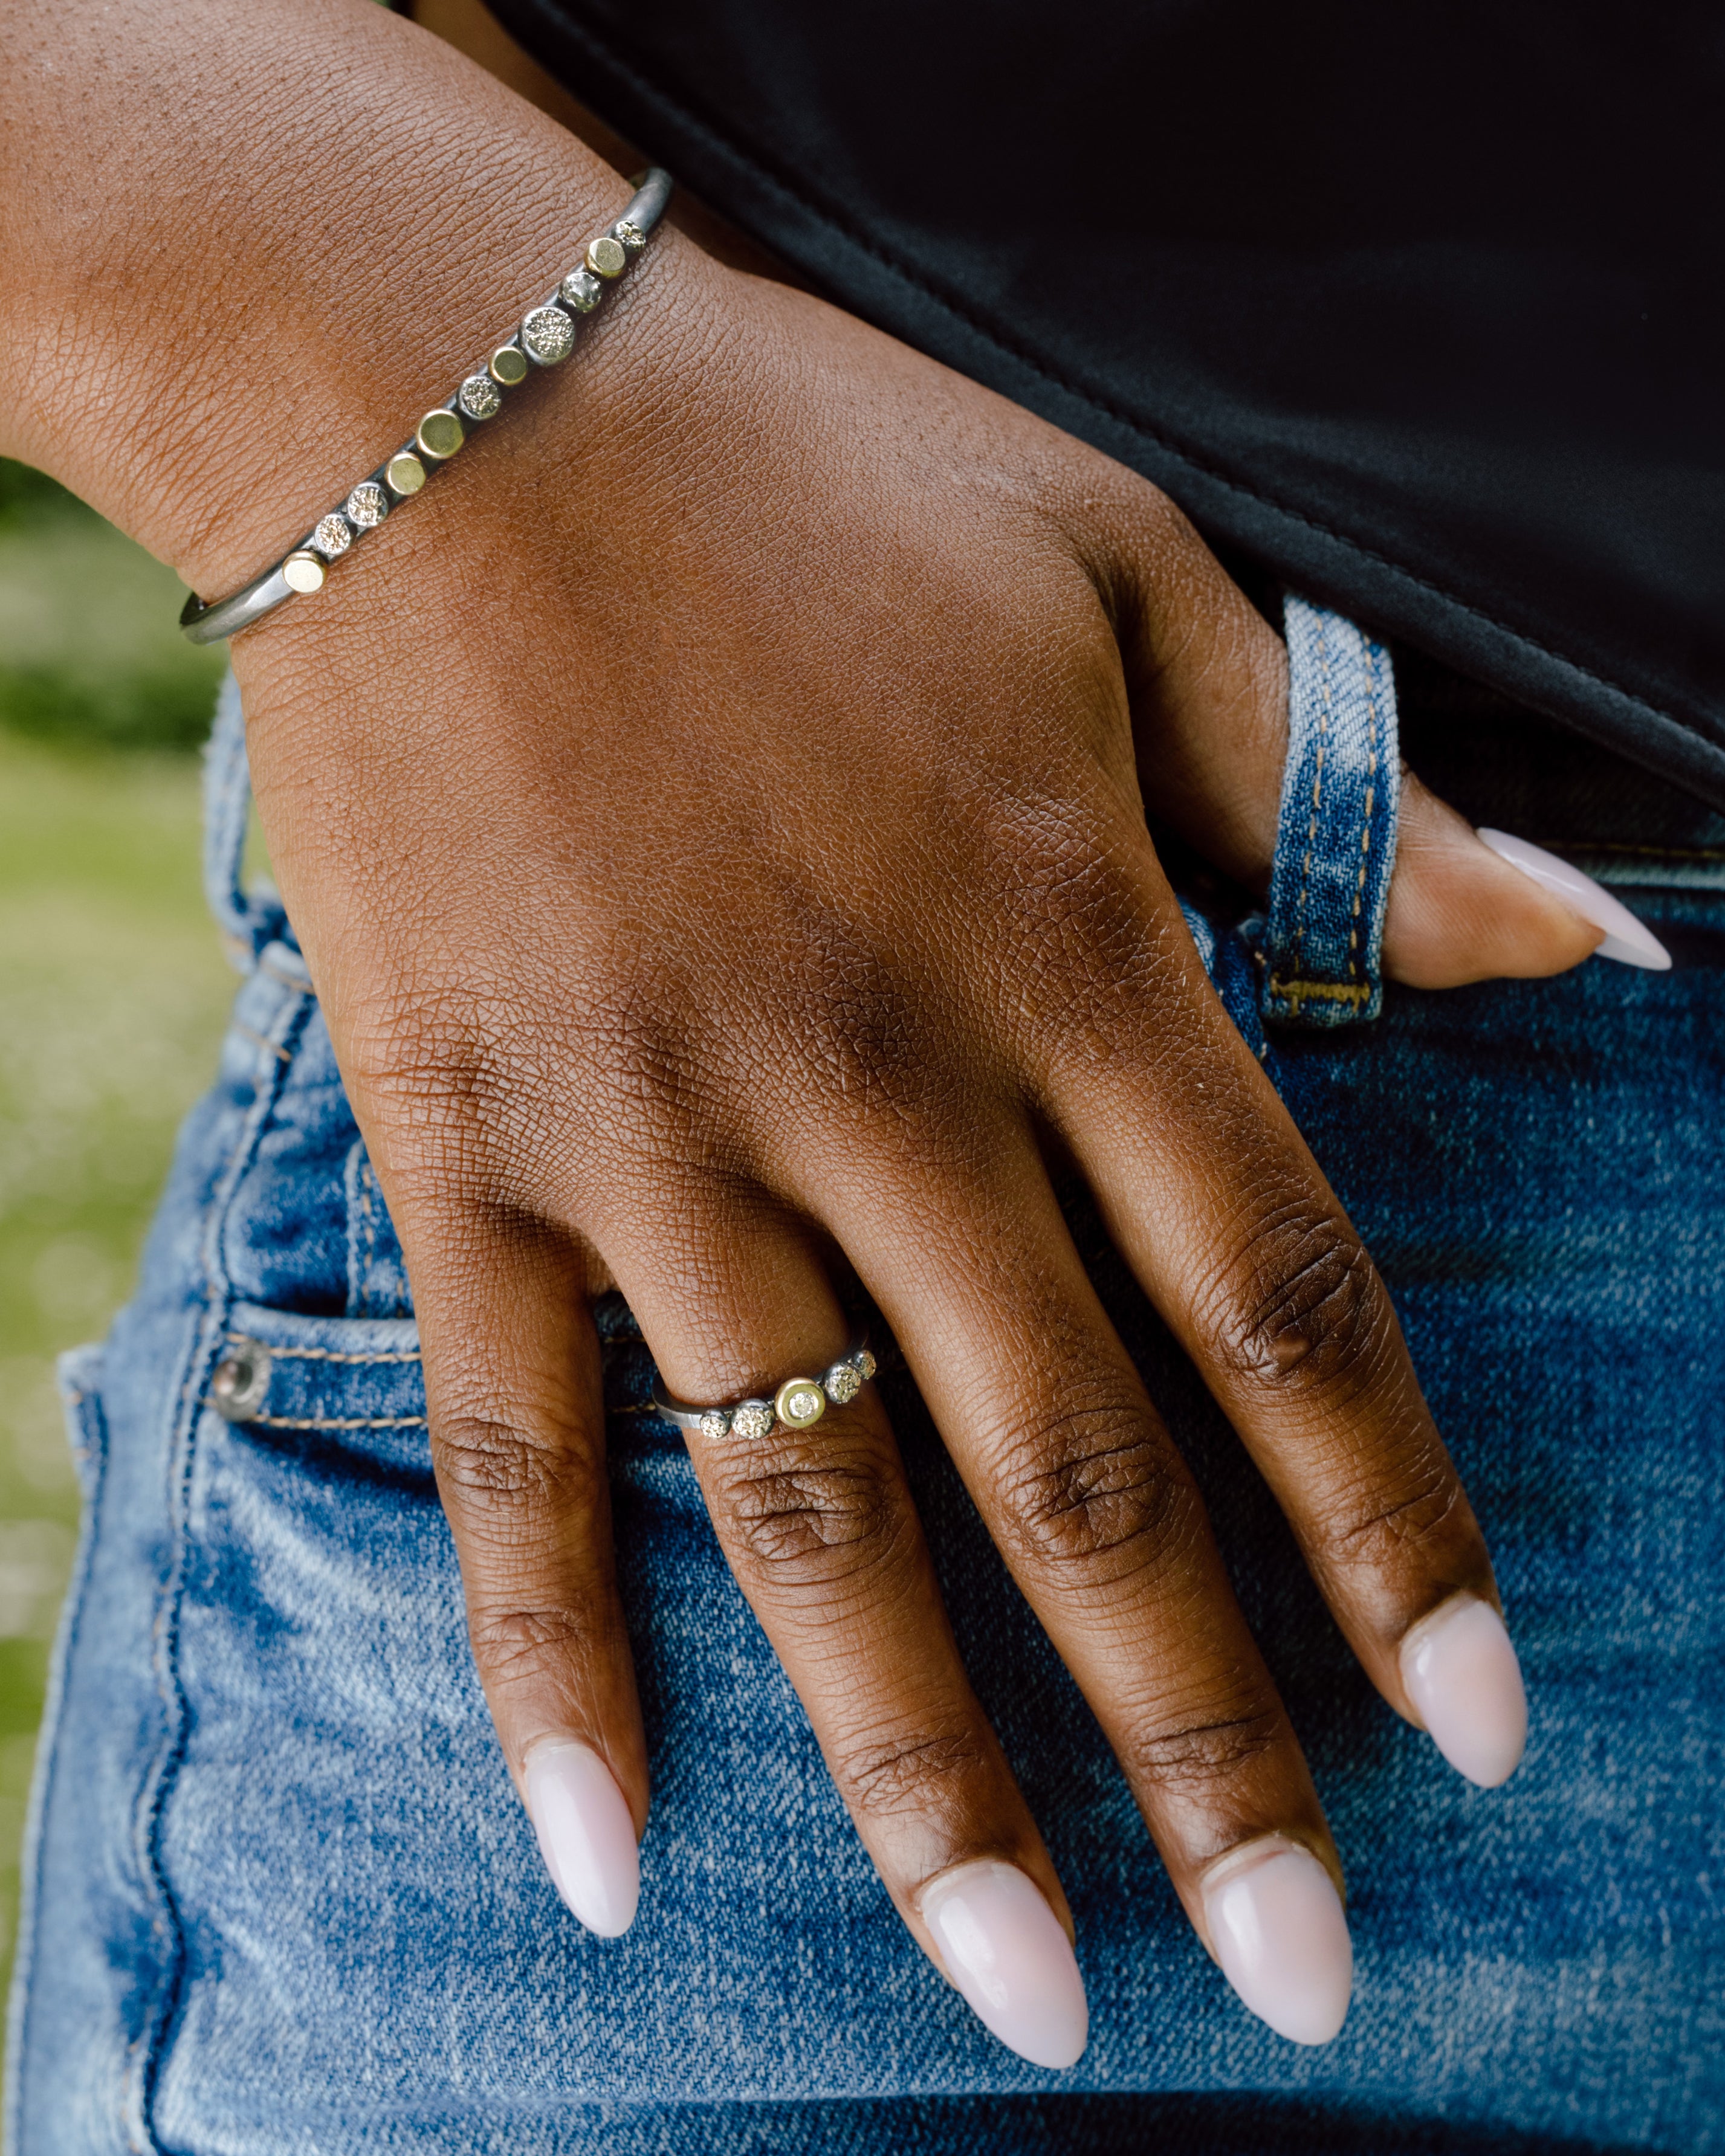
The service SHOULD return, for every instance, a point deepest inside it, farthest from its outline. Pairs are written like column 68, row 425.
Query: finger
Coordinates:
column 513, row 1399
column 1239, row 1240
column 1099, row 1519
column 819, row 1527
column 1207, row 677
column 1458, row 912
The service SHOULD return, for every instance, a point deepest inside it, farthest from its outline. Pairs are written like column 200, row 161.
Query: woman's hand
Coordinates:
column 719, row 846
column 713, row 820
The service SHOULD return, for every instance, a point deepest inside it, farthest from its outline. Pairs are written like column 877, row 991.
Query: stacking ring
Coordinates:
column 798, row 1404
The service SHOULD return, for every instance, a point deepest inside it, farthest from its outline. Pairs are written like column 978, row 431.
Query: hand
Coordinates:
column 753, row 867
column 714, row 823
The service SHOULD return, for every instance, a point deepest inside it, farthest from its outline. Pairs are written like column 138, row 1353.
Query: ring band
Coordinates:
column 798, row 1404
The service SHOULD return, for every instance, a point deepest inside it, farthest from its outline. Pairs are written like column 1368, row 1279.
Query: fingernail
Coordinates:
column 1465, row 1683
column 586, row 1835
column 1276, row 1923
column 1004, row 1949
column 1627, row 940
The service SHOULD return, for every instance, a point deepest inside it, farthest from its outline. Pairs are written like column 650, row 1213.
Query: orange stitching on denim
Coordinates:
column 274, row 1048
column 319, row 1354
column 144, row 2063
column 338, row 1422
column 1297, row 991
column 370, row 1220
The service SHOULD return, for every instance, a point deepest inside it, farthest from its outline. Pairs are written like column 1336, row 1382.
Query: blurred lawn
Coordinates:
column 112, row 995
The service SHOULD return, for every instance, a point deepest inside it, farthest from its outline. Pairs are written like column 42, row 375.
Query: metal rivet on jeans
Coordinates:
column 241, row 1383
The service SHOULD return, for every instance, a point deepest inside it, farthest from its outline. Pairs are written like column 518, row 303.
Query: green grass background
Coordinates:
column 113, row 990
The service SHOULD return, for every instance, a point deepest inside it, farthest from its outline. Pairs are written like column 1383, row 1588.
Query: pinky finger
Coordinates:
column 513, row 1401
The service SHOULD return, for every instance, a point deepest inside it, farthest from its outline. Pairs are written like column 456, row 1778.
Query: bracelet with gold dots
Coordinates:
column 544, row 337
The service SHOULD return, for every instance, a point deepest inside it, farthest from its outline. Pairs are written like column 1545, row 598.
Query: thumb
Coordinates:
column 1207, row 682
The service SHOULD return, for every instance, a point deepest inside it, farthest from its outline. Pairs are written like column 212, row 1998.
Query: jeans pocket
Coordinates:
column 336, row 1790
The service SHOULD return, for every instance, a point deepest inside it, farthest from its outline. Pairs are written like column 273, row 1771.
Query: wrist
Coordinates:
column 377, row 235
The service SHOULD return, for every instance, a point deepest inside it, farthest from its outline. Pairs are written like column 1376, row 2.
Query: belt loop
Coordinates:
column 1335, row 839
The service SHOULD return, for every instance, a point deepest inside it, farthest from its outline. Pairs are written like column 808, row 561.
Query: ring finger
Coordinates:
column 818, row 1524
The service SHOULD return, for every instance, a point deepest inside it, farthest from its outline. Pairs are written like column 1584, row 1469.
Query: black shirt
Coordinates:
column 1417, row 306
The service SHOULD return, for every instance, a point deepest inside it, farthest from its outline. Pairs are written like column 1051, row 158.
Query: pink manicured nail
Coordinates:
column 1626, row 939
column 1276, row 1923
column 1466, row 1684
column 586, row 1835
column 1004, row 1949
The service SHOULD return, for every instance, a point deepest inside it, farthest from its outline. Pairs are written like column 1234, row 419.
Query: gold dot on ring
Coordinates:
column 799, row 1402
column 405, row 473
column 605, row 257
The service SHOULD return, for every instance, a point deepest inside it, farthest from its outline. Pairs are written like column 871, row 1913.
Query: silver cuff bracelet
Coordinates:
column 544, row 336
column 798, row 1403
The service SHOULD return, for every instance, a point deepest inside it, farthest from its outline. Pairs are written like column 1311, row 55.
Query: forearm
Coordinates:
column 242, row 247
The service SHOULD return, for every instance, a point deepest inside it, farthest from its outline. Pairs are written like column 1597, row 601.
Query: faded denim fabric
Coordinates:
column 282, row 1901
column 1335, row 841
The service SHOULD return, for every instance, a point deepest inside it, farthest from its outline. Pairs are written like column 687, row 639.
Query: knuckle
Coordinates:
column 892, row 1777
column 645, row 1055
column 1193, row 1756
column 812, row 1521
column 1095, row 1497
column 514, row 1643
column 1422, row 1508
column 492, row 1458
column 1091, row 955
column 482, row 1082
column 413, row 1040
column 485, row 1456
column 427, row 1070
column 1062, row 879
column 1302, row 1303
column 566, row 1644
column 860, row 1035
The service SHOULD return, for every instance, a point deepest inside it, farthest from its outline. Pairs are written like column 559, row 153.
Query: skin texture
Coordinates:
column 715, row 820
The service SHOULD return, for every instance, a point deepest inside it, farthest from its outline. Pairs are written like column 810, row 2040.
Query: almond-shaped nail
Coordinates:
column 1627, row 940
column 1465, row 1683
column 586, row 1835
column 1276, row 1923
column 1004, row 1949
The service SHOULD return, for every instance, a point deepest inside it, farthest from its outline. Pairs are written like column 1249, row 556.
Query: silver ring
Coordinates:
column 798, row 1404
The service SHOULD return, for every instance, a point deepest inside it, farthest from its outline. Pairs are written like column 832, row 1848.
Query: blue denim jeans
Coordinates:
column 281, row 1897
